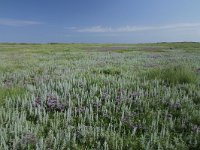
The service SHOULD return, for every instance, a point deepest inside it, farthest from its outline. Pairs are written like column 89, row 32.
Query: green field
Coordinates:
column 100, row 96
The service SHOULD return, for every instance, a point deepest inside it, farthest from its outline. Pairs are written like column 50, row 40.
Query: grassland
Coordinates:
column 100, row 96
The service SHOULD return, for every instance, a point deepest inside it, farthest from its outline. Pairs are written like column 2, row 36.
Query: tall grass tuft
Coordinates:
column 10, row 92
column 174, row 74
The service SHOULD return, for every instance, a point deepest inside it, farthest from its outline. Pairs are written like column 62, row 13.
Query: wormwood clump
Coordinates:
column 173, row 74
column 27, row 141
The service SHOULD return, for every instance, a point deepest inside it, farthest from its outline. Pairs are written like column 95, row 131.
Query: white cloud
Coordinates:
column 95, row 29
column 14, row 22
column 181, row 26
column 100, row 29
column 70, row 28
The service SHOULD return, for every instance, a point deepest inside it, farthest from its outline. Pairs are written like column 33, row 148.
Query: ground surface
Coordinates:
column 100, row 96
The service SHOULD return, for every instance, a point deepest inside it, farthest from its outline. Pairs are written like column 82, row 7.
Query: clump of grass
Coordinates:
column 10, row 92
column 4, row 69
column 108, row 71
column 174, row 74
column 111, row 71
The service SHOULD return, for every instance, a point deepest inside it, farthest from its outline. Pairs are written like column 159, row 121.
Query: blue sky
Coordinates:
column 99, row 21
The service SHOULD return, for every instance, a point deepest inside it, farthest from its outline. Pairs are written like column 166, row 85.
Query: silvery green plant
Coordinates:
column 56, row 99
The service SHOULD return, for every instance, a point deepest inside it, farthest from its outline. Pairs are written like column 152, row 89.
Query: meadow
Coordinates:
column 100, row 96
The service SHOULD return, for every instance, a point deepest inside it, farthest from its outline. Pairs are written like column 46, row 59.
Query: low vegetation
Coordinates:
column 177, row 74
column 98, row 96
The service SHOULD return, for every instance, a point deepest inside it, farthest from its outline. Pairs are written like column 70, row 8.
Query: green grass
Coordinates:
column 108, row 71
column 177, row 74
column 10, row 92
column 94, row 96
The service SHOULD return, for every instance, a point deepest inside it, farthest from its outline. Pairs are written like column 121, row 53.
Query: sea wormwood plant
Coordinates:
column 102, row 110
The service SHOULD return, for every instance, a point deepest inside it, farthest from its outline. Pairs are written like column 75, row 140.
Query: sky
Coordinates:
column 99, row 21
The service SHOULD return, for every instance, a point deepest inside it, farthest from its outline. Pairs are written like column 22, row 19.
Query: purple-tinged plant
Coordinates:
column 52, row 104
column 80, row 109
column 36, row 102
